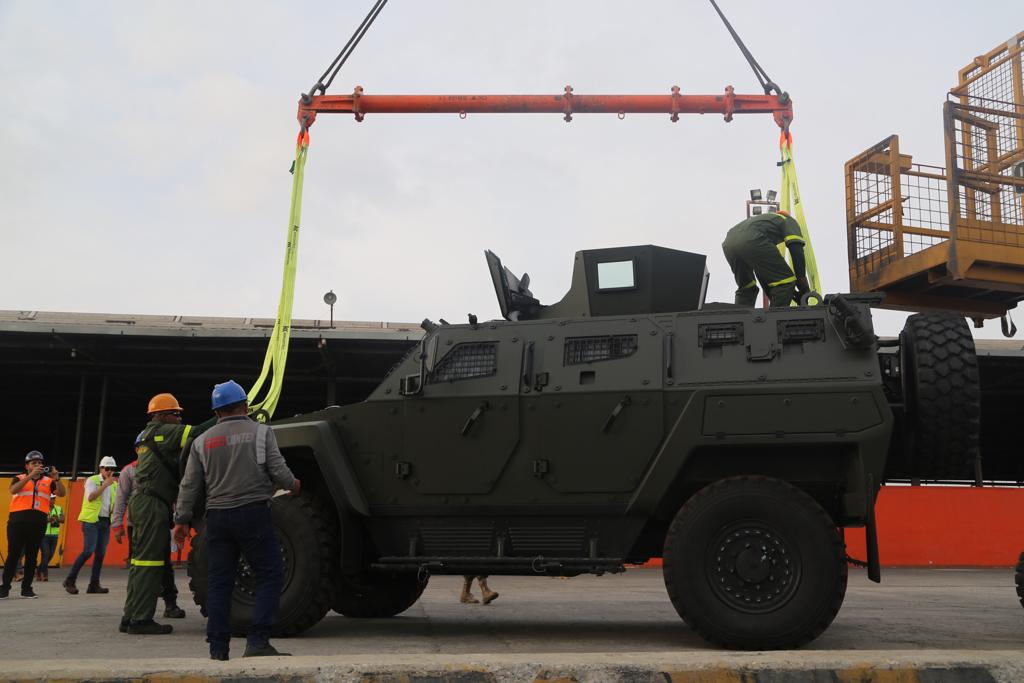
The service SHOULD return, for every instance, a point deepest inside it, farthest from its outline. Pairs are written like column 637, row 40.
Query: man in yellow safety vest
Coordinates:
column 97, row 506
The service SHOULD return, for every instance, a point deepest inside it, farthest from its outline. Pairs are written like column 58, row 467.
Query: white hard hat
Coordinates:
column 108, row 462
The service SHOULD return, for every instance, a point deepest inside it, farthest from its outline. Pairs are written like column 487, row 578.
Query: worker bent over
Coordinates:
column 156, row 488
column 751, row 248
column 239, row 465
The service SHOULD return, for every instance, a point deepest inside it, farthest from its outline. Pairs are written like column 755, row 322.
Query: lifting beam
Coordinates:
column 567, row 104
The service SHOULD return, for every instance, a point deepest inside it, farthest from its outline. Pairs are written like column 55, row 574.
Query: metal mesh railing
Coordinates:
column 887, row 221
column 987, row 145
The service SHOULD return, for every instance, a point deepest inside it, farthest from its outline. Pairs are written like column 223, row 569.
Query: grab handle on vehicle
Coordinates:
column 474, row 417
column 615, row 413
column 808, row 297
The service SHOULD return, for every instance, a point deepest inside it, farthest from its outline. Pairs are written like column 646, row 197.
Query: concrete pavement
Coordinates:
column 583, row 628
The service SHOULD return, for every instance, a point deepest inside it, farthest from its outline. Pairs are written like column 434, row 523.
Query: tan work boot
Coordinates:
column 467, row 595
column 488, row 595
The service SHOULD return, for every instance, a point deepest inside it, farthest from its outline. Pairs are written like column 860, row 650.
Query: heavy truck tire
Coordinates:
column 754, row 563
column 1018, row 578
column 375, row 595
column 944, row 395
column 309, row 551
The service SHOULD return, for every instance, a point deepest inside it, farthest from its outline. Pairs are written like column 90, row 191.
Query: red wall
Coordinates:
column 918, row 526
column 937, row 526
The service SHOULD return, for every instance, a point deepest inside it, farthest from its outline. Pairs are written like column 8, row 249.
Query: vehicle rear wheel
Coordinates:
column 754, row 563
column 377, row 594
column 309, row 552
column 944, row 401
column 1019, row 579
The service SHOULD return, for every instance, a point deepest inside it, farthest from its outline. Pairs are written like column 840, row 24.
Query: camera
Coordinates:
column 45, row 469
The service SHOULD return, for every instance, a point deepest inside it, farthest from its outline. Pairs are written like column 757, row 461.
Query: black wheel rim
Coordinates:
column 245, row 579
column 752, row 567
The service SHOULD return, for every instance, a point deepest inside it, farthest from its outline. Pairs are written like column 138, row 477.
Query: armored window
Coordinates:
column 580, row 350
column 466, row 361
column 616, row 275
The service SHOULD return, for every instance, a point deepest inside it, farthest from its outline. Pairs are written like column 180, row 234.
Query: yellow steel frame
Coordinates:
column 948, row 238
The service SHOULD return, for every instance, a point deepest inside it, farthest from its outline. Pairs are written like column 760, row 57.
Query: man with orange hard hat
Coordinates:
column 157, row 474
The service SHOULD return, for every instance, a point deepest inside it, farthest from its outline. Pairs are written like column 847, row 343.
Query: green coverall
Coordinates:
column 149, row 509
column 751, row 248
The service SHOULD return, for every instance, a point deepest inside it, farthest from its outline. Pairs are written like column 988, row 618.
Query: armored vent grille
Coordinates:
column 550, row 541
column 467, row 541
column 466, row 361
column 580, row 350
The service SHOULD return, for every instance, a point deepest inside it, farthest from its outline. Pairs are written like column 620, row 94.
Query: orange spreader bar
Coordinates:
column 567, row 104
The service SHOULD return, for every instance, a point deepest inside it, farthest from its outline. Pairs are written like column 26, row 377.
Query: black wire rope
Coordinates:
column 346, row 51
column 766, row 82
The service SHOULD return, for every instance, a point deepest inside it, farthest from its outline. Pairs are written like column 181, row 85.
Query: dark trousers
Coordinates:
column 95, row 536
column 48, row 546
column 24, row 534
column 168, row 590
column 151, row 550
column 753, row 258
column 245, row 530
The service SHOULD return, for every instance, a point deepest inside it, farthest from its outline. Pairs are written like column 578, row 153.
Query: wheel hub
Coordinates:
column 245, row 578
column 752, row 568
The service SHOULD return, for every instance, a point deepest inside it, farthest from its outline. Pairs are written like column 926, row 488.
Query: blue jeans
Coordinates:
column 48, row 546
column 245, row 530
column 95, row 536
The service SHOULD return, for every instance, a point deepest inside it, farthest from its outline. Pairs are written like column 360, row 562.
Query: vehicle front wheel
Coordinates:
column 754, row 563
column 308, row 551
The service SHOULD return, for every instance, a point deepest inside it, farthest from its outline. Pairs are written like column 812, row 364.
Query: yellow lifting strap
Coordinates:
column 277, row 350
column 789, row 201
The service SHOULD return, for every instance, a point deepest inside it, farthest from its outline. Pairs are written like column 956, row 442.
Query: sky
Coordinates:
column 145, row 147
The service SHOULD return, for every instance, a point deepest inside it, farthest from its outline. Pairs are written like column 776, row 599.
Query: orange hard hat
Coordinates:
column 162, row 402
column 783, row 212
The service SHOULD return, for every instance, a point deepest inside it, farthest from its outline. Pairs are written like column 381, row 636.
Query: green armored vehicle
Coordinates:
column 630, row 420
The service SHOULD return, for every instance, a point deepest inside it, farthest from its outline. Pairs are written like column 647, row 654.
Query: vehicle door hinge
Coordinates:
column 540, row 468
column 402, row 469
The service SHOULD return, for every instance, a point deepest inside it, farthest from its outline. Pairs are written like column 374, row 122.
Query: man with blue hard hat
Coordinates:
column 240, row 467
column 159, row 449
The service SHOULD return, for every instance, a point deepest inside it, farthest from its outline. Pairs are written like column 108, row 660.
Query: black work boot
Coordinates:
column 219, row 655
column 123, row 627
column 172, row 611
column 148, row 628
column 265, row 650
column 69, row 586
column 95, row 587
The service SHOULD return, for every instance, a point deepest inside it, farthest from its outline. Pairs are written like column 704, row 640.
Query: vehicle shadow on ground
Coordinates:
column 512, row 634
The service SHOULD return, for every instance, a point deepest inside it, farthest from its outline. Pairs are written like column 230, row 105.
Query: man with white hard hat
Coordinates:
column 97, row 506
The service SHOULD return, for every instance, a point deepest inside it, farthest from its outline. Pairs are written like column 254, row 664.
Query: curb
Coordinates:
column 660, row 667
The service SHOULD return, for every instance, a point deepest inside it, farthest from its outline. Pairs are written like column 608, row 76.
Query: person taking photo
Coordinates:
column 26, row 524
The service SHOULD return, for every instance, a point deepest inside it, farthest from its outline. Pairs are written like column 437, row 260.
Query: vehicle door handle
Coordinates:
column 474, row 416
column 615, row 413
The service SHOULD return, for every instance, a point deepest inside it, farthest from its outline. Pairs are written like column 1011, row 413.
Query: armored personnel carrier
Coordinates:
column 627, row 421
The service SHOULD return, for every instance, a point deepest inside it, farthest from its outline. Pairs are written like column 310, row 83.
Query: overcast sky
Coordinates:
column 145, row 146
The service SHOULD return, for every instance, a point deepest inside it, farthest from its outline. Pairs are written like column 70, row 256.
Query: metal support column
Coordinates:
column 99, row 426
column 78, row 429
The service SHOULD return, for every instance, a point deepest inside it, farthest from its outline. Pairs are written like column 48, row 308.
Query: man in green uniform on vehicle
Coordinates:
column 751, row 248
column 156, row 488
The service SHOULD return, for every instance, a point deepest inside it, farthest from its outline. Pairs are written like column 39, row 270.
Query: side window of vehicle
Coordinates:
column 580, row 350
column 466, row 361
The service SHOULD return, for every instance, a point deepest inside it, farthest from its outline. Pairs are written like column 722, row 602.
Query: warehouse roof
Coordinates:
column 196, row 326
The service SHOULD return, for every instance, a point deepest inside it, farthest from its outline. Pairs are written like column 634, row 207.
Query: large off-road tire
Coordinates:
column 944, row 395
column 377, row 594
column 754, row 563
column 309, row 551
column 1018, row 578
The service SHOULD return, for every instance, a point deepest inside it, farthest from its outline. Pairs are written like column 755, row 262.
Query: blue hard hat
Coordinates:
column 226, row 393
